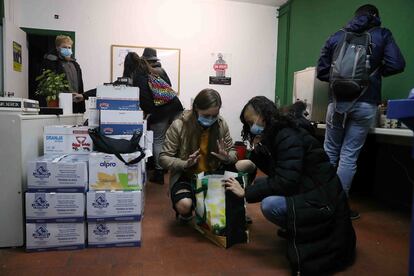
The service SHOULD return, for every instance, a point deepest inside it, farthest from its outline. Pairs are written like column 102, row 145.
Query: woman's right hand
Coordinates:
column 193, row 159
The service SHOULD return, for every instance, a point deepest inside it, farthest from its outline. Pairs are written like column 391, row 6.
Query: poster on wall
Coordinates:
column 17, row 57
column 169, row 58
column 220, row 69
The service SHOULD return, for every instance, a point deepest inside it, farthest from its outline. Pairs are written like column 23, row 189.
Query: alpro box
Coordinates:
column 114, row 234
column 66, row 139
column 54, row 236
column 114, row 206
column 58, row 173
column 107, row 172
column 55, row 207
column 115, row 122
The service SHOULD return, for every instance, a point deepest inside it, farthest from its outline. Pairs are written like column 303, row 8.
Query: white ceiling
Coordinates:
column 274, row 3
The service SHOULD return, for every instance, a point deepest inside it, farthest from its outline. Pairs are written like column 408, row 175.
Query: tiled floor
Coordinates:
column 172, row 249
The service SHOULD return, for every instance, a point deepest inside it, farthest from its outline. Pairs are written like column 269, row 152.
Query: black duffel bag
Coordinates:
column 106, row 144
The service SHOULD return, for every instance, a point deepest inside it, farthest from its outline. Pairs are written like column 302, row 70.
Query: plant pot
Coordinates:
column 53, row 103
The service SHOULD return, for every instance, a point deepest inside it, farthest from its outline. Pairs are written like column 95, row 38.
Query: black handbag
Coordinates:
column 103, row 143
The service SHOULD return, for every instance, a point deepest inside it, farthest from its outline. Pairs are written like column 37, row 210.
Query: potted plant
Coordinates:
column 50, row 85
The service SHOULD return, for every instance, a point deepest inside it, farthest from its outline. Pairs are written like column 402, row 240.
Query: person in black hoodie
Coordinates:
column 150, row 55
column 159, row 117
column 60, row 60
column 301, row 192
column 349, row 119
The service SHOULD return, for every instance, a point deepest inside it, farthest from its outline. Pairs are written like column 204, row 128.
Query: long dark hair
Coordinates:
column 273, row 119
column 133, row 64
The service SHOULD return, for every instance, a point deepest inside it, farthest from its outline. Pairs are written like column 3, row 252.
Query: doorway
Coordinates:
column 39, row 43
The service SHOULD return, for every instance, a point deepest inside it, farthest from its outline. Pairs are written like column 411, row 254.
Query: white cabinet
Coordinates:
column 307, row 88
column 21, row 139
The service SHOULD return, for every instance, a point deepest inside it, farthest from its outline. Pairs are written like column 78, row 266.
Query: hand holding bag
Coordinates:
column 220, row 214
column 114, row 146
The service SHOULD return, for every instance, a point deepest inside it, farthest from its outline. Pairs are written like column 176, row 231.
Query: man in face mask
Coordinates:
column 60, row 60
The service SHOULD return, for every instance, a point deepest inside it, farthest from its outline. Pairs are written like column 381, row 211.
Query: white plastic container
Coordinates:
column 55, row 207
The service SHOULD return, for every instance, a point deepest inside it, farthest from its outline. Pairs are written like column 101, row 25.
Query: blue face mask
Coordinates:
column 255, row 129
column 206, row 122
column 65, row 52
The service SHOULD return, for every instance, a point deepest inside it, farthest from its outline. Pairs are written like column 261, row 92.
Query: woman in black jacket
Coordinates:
column 159, row 117
column 301, row 192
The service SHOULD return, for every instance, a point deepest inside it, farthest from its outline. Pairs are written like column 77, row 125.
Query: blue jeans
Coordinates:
column 274, row 209
column 344, row 139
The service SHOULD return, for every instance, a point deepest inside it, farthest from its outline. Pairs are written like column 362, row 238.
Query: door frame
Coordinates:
column 47, row 32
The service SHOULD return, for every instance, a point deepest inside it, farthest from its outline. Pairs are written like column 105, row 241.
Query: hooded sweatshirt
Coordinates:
column 386, row 56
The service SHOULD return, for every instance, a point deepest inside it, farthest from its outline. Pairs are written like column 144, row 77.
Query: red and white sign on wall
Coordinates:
column 221, row 70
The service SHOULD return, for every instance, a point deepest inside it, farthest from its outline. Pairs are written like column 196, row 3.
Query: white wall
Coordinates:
column 197, row 27
column 14, row 81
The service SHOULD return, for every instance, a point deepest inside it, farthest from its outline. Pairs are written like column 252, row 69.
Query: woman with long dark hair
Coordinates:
column 301, row 192
column 159, row 117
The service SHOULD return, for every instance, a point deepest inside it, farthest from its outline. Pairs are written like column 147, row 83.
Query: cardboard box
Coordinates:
column 117, row 92
column 66, row 139
column 114, row 206
column 114, row 234
column 111, row 97
column 117, row 104
column 58, row 173
column 55, row 207
column 115, row 122
column 54, row 236
column 107, row 172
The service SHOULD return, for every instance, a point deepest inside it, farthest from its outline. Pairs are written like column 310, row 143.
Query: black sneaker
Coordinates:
column 157, row 177
column 354, row 215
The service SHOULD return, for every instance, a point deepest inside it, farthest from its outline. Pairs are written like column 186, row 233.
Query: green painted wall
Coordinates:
column 304, row 26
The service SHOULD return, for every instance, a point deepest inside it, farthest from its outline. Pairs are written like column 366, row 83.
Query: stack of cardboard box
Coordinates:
column 57, row 182
column 55, row 202
column 115, row 197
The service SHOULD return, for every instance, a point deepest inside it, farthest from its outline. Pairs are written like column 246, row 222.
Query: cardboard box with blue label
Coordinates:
column 114, row 234
column 54, row 236
column 115, row 122
column 66, row 139
column 111, row 97
column 107, row 172
column 58, row 173
column 55, row 207
column 114, row 206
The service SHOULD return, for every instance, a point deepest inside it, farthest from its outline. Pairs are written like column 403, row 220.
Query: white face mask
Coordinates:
column 65, row 52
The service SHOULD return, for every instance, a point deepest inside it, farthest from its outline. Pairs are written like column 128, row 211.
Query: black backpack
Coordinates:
column 350, row 69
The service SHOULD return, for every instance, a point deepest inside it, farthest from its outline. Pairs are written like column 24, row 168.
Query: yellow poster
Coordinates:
column 17, row 57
